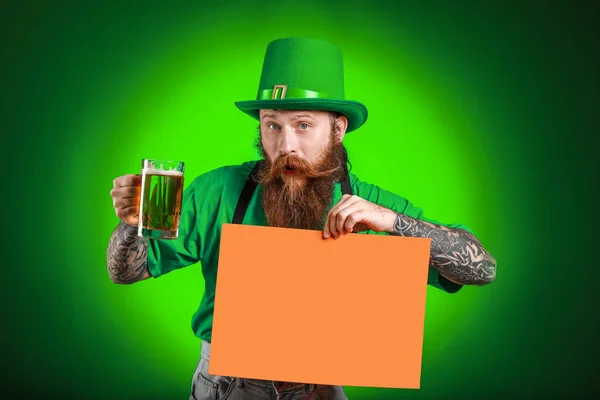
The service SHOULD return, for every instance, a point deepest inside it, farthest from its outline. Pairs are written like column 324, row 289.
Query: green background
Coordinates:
column 481, row 113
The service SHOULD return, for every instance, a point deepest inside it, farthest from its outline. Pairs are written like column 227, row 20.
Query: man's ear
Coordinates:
column 341, row 124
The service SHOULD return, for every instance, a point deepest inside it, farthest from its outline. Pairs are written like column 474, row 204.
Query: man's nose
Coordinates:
column 287, row 142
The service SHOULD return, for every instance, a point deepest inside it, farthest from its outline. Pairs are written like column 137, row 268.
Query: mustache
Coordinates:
column 283, row 163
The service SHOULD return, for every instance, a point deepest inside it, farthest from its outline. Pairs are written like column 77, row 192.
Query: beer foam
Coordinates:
column 154, row 171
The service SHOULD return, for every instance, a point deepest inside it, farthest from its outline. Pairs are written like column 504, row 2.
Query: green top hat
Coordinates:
column 304, row 74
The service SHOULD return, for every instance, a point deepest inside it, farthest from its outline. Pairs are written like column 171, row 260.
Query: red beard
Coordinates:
column 301, row 199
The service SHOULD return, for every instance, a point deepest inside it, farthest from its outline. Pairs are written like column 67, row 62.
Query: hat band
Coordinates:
column 289, row 93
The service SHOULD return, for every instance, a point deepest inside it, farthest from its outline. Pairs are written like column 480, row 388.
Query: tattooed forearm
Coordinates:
column 127, row 255
column 455, row 253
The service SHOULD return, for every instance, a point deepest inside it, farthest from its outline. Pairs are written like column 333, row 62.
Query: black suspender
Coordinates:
column 250, row 186
column 346, row 188
column 245, row 196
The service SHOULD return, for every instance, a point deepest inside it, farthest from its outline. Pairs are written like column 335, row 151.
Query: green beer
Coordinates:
column 160, row 198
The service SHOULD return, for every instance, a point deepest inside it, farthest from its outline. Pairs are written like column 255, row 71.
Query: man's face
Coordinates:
column 304, row 157
column 303, row 135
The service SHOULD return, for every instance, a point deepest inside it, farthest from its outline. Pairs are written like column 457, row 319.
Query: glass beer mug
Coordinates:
column 160, row 199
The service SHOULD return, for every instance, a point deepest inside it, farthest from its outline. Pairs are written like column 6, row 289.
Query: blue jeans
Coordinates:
column 214, row 387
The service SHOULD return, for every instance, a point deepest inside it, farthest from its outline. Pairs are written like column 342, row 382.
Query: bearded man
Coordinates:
column 302, row 181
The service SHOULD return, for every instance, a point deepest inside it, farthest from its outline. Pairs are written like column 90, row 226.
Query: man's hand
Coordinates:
column 126, row 198
column 455, row 253
column 355, row 214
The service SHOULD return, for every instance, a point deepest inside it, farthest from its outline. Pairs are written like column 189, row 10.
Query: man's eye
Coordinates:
column 272, row 126
column 303, row 126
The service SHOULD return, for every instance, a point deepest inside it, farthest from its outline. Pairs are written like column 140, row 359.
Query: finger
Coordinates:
column 344, row 215
column 127, row 212
column 125, row 192
column 340, row 207
column 124, row 202
column 328, row 219
column 333, row 225
column 333, row 231
column 351, row 200
column 354, row 220
column 127, row 180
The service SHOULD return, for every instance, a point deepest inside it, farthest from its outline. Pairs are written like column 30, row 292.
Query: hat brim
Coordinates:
column 355, row 112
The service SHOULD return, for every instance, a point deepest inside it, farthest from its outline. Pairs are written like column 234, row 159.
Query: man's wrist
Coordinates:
column 402, row 225
column 393, row 223
column 128, row 227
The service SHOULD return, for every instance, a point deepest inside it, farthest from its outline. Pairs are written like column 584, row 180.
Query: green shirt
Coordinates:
column 210, row 200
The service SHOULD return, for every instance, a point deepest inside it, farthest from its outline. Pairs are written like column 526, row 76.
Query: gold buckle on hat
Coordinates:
column 278, row 94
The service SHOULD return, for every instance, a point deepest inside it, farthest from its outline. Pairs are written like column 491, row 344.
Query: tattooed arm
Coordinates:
column 127, row 255
column 455, row 253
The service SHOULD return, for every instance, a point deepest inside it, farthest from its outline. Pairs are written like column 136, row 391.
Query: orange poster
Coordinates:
column 292, row 306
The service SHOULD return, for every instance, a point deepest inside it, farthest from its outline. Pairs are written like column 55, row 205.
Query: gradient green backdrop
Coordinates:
column 480, row 113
